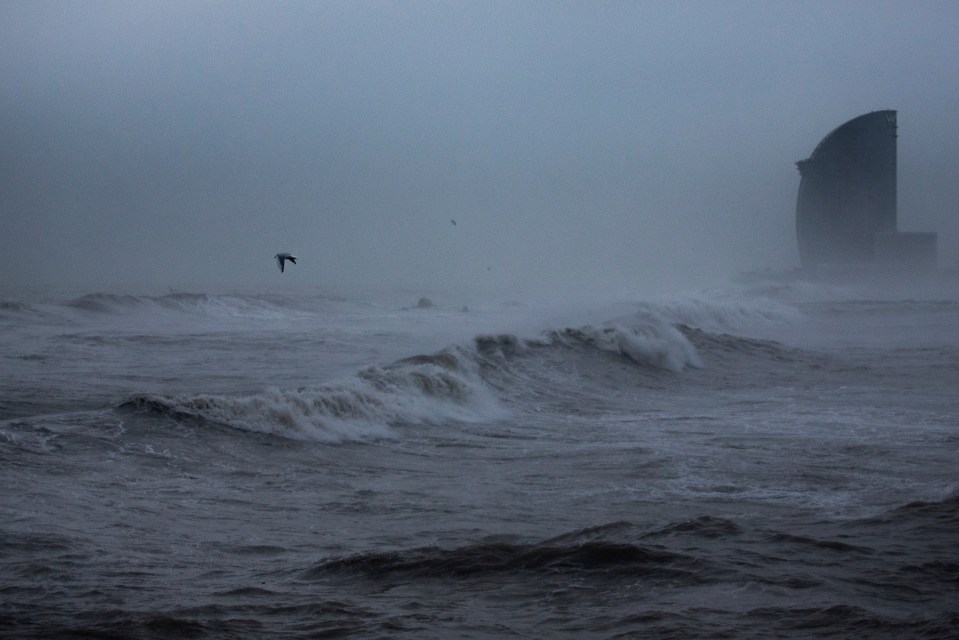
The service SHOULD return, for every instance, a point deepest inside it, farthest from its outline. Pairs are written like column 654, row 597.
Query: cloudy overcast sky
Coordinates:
column 576, row 144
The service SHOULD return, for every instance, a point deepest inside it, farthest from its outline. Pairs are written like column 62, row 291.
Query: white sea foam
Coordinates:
column 219, row 305
column 650, row 344
column 767, row 452
column 722, row 311
column 426, row 390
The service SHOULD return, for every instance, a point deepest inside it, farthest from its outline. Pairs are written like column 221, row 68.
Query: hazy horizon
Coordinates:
column 577, row 146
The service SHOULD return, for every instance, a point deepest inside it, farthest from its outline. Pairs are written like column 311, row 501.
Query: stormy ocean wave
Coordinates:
column 749, row 462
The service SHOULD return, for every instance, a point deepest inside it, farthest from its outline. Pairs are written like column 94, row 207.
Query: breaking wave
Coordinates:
column 477, row 383
column 13, row 310
column 219, row 305
column 721, row 311
column 653, row 344
column 421, row 390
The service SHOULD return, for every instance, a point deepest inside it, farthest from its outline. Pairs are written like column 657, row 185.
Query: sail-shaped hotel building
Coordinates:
column 846, row 208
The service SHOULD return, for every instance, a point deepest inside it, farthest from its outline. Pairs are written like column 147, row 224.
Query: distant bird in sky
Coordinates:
column 283, row 257
column 453, row 221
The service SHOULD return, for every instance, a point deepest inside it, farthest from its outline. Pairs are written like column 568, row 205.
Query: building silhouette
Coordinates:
column 846, row 207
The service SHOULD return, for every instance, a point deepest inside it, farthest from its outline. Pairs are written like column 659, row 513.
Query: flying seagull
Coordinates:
column 283, row 257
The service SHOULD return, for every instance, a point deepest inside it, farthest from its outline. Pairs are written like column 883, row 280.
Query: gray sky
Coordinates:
column 577, row 145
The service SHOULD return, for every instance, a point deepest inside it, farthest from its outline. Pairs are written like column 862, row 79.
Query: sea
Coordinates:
column 762, row 458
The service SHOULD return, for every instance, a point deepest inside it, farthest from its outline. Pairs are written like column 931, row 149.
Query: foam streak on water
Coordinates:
column 768, row 462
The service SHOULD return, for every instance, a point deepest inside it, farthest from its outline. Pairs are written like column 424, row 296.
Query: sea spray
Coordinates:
column 421, row 390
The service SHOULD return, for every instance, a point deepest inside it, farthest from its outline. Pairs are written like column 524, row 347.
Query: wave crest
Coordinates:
column 656, row 345
column 421, row 390
column 722, row 311
column 263, row 306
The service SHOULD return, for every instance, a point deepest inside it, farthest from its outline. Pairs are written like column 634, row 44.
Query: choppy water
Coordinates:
column 773, row 461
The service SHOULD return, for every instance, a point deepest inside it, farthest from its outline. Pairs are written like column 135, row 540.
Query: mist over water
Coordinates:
column 615, row 147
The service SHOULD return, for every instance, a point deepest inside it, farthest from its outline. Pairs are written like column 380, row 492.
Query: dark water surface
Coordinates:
column 727, row 464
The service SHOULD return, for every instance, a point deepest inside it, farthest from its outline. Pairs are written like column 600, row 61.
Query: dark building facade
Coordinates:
column 847, row 195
